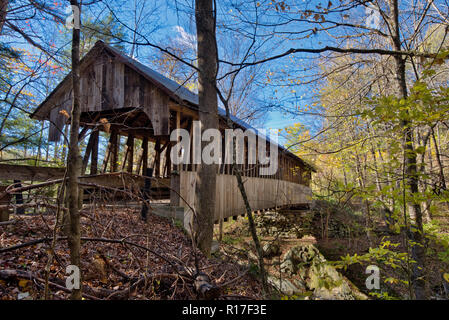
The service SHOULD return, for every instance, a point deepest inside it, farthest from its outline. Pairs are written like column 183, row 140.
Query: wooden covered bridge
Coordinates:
column 124, row 98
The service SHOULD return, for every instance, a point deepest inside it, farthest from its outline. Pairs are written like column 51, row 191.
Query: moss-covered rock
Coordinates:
column 310, row 271
column 287, row 287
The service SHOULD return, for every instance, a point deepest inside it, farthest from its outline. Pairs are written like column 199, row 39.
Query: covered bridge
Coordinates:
column 123, row 97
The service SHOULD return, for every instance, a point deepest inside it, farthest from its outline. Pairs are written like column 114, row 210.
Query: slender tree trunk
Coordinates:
column 439, row 162
column 203, row 223
column 74, row 160
column 64, row 146
column 249, row 211
column 3, row 12
column 416, row 232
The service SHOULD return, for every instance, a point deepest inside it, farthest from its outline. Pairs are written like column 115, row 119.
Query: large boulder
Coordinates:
column 271, row 249
column 328, row 284
column 299, row 258
column 307, row 266
column 286, row 286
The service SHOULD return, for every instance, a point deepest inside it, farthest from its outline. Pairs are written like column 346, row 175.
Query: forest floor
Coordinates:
column 146, row 261
column 125, row 258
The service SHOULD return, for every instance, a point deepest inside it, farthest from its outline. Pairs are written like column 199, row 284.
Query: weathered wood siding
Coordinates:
column 262, row 194
column 59, row 116
column 109, row 84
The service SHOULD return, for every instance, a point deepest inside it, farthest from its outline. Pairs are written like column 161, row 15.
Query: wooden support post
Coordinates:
column 144, row 155
column 178, row 120
column 189, row 167
column 223, row 154
column 130, row 151
column 125, row 157
column 146, row 193
column 167, row 161
column 114, row 150
column 178, row 126
column 220, row 227
column 175, row 189
column 94, row 157
column 139, row 162
column 110, row 150
column 157, row 158
column 5, row 200
column 19, row 198
column 87, row 153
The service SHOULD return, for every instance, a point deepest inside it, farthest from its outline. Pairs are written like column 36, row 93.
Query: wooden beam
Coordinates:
column 94, row 157
column 157, row 158
column 107, row 155
column 87, row 153
column 29, row 173
column 167, row 170
column 122, row 180
column 4, row 200
column 185, row 110
column 175, row 185
column 128, row 159
column 144, row 155
column 130, row 146
column 114, row 150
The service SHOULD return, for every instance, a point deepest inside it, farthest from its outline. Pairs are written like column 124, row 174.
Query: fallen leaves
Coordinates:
column 113, row 270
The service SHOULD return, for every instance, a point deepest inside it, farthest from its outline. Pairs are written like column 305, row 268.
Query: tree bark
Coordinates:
column 74, row 160
column 208, row 114
column 3, row 12
column 416, row 232
column 442, row 179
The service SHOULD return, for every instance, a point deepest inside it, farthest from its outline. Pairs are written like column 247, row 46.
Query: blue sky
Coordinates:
column 181, row 25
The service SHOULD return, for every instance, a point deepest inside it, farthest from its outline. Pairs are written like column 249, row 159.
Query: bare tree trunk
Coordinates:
column 203, row 223
column 241, row 186
column 416, row 232
column 3, row 12
column 252, row 225
column 74, row 160
column 64, row 147
column 439, row 162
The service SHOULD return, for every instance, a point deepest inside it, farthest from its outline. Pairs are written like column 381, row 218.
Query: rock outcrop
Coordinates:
column 308, row 274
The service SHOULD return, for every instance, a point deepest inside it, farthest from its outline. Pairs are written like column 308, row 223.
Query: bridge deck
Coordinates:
column 113, row 180
column 262, row 193
column 29, row 173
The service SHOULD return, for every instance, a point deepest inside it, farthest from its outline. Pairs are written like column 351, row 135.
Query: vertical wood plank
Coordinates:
column 130, row 146
column 144, row 155
column 114, row 150
column 94, row 157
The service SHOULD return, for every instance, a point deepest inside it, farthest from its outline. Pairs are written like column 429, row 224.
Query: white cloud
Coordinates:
column 184, row 38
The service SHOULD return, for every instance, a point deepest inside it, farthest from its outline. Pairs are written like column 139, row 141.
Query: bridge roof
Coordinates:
column 173, row 89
